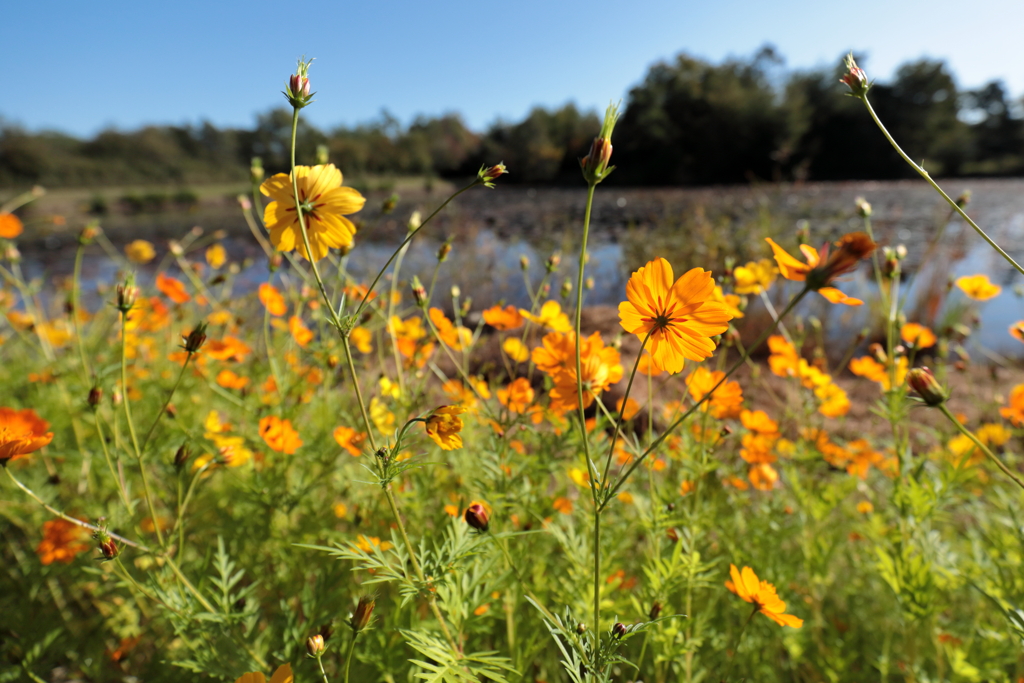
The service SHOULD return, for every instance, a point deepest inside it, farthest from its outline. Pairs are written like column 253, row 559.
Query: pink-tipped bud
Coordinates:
column 315, row 646
column 363, row 613
column 489, row 175
column 619, row 629
column 855, row 78
column 476, row 516
column 927, row 387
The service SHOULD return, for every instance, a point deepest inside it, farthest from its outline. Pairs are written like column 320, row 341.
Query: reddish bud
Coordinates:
column 476, row 516
column 927, row 387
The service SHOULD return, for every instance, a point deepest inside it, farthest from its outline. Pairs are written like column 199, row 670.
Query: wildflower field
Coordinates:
column 325, row 477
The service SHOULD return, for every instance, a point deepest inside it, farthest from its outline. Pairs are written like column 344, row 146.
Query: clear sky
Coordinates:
column 82, row 66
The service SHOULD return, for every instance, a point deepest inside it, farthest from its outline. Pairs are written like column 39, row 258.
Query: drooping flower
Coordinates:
column 282, row 675
column 680, row 317
column 324, row 202
column 822, row 267
column 21, row 432
column 172, row 288
column 755, row 277
column 350, row 440
column 746, row 585
column 279, row 434
column 62, row 540
column 140, row 251
column 507, row 318
column 272, row 299
column 978, row 287
column 517, row 396
column 444, row 425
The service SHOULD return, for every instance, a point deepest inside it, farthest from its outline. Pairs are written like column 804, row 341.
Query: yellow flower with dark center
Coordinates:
column 444, row 425
column 324, row 202
column 762, row 594
column 681, row 318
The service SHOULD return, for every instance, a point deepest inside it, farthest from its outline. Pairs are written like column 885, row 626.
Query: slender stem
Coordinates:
column 924, row 174
column 126, row 401
column 75, row 292
column 347, row 346
column 163, row 409
column 622, row 409
column 984, row 449
column 418, row 569
column 110, row 462
column 57, row 513
column 746, row 354
column 348, row 657
column 736, row 645
column 320, row 663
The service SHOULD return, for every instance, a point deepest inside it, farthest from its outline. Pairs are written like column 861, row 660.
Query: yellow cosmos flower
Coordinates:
column 444, row 425
column 978, row 287
column 282, row 675
column 140, row 251
column 551, row 317
column 822, row 267
column 325, row 203
column 762, row 594
column 755, row 277
column 681, row 317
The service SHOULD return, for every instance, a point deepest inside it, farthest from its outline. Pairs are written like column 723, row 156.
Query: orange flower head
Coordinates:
column 272, row 299
column 1017, row 330
column 300, row 333
column 600, row 368
column 280, row 435
column 228, row 348
column 918, row 335
column 978, row 287
column 725, row 403
column 444, row 425
column 517, row 396
column 762, row 594
column 680, row 317
column 1014, row 411
column 508, row 318
column 350, row 440
column 231, row 380
column 10, row 226
column 62, row 540
column 821, row 267
column 173, row 289
column 21, row 432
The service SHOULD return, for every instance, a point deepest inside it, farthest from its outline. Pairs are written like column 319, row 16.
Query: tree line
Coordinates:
column 688, row 122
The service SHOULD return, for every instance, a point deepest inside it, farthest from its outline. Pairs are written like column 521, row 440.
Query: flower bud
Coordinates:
column 315, row 646
column 964, row 199
column 524, row 263
column 863, row 207
column 553, row 262
column 298, row 93
column 566, row 288
column 323, row 155
column 595, row 164
column 182, row 455
column 588, row 284
column 275, row 262
column 363, row 613
column 855, row 78
column 194, row 340
column 545, row 289
column 476, row 516
column 95, row 396
column 619, row 629
column 581, row 628
column 655, row 611
column 107, row 544
column 488, row 175
column 415, row 221
column 419, row 292
column 389, row 204
column 927, row 387
column 443, row 251
column 88, row 234
column 244, row 202
column 456, row 292
column 256, row 172
column 126, row 294
column 333, row 360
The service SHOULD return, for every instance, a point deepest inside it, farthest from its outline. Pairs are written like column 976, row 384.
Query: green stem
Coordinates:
column 924, row 174
column 75, row 292
column 984, row 449
column 348, row 658
column 163, row 409
column 622, row 409
column 736, row 645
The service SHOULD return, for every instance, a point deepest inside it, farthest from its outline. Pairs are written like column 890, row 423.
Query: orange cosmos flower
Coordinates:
column 444, row 425
column 350, row 440
column 272, row 299
column 21, row 432
column 455, row 337
column 680, row 317
column 230, row 380
column 279, row 434
column 300, row 333
column 10, row 226
column 834, row 401
column 978, row 287
column 228, row 348
column 517, row 396
column 1014, row 412
column 362, row 339
column 600, row 369
column 762, row 594
column 631, row 410
column 918, row 335
column 62, row 540
column 1017, row 330
column 551, row 317
column 140, row 251
column 172, row 288
column 556, row 351
column 727, row 400
column 822, row 268
column 283, row 674
column 648, row 367
column 508, row 318
column 516, row 350
column 325, row 203
column 763, row 477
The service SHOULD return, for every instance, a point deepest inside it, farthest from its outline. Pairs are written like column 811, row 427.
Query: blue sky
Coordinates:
column 79, row 67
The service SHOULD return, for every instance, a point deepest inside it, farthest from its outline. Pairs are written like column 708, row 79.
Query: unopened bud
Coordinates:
column 419, row 292
column 476, row 516
column 595, row 164
column 855, row 78
column 333, row 360
column 322, row 154
column 175, row 248
column 553, row 262
column 443, row 251
column 389, row 204
column 863, row 207
column 927, row 387
column 488, row 175
column 275, row 262
column 116, row 398
column 619, row 629
column 456, row 292
column 107, row 544
column 581, row 628
column 126, row 294
column 182, row 455
column 524, row 263
column 588, row 284
column 655, row 611
column 244, row 202
column 12, row 254
column 256, row 171
column 95, row 396
column 415, row 221
column 964, row 199
column 194, row 340
column 545, row 289
column 363, row 613
column 298, row 93
column 566, row 287
column 88, row 234
column 315, row 646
